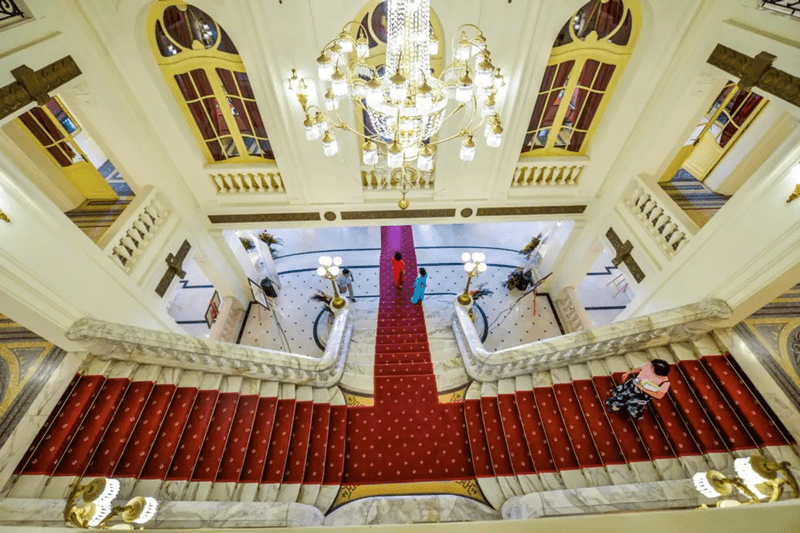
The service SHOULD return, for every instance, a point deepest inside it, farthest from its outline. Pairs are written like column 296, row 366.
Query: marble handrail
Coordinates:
column 130, row 343
column 658, row 329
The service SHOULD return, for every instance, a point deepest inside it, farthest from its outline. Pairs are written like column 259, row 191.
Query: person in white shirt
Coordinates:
column 344, row 282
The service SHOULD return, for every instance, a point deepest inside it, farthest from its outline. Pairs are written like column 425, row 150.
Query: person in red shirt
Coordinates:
column 633, row 395
column 399, row 269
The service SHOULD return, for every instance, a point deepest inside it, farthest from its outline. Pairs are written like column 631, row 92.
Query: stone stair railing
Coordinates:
column 658, row 329
column 129, row 235
column 130, row 343
column 650, row 206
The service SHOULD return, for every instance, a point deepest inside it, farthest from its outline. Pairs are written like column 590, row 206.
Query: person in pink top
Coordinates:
column 633, row 395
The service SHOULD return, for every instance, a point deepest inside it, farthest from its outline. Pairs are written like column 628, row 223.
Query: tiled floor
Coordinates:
column 604, row 292
column 439, row 248
column 190, row 301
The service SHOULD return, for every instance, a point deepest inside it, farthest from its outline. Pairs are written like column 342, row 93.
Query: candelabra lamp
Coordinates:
column 89, row 506
column 329, row 268
column 474, row 265
column 757, row 479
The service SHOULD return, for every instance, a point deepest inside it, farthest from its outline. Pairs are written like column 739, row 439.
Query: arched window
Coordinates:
column 207, row 76
column 587, row 59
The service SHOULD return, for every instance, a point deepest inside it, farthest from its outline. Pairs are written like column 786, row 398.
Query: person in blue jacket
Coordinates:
column 419, row 286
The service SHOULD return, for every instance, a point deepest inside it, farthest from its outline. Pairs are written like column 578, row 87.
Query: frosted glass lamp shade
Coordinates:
column 468, row 149
column 369, row 152
column 394, row 157
column 478, row 257
column 465, row 257
column 324, row 67
column 337, row 261
column 469, row 266
column 329, row 145
column 321, row 271
column 482, row 267
column 339, row 83
column 425, row 159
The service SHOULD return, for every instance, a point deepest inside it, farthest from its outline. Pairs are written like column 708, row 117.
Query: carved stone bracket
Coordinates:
column 658, row 329
column 757, row 72
column 129, row 343
column 34, row 86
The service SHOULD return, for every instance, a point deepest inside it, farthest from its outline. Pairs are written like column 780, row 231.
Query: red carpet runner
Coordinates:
column 407, row 436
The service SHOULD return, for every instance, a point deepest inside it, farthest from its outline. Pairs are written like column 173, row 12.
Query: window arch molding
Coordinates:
column 203, row 70
column 586, row 62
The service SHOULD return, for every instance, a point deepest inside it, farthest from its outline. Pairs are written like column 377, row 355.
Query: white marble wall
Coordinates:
column 410, row 510
column 676, row 494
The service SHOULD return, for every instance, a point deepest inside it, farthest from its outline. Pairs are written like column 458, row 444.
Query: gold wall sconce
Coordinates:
column 795, row 194
column 4, row 217
column 97, row 511
column 757, row 479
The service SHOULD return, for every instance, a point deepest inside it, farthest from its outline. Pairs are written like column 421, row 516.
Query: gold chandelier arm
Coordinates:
column 783, row 468
column 736, row 482
column 115, row 511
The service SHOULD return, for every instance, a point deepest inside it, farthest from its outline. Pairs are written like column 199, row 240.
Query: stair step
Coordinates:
column 216, row 437
column 65, row 426
column 404, row 347
column 481, row 459
column 404, row 369
column 335, row 456
column 194, row 433
column 144, row 434
column 111, row 447
column 314, row 473
column 763, row 426
column 297, row 457
column 236, row 449
column 275, row 466
column 575, row 424
column 255, row 459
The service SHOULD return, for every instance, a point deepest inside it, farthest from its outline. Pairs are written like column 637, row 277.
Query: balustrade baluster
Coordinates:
column 142, row 228
column 220, row 183
column 654, row 214
column 364, row 180
column 374, row 181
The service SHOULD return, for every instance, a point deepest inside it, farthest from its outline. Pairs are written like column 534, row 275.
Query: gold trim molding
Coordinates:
column 33, row 85
column 757, row 72
column 263, row 217
column 396, row 213
column 531, row 210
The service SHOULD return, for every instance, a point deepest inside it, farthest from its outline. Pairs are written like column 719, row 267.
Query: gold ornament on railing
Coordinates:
column 96, row 511
column 757, row 479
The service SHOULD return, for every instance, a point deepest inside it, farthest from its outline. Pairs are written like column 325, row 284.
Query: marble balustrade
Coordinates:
column 128, row 343
column 571, row 310
column 658, row 329
column 129, row 235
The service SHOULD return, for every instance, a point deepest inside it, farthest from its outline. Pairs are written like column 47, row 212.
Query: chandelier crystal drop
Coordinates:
column 406, row 103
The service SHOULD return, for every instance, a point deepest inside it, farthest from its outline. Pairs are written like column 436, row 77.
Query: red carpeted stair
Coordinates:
column 408, row 436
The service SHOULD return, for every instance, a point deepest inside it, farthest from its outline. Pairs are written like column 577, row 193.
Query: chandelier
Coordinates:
column 406, row 104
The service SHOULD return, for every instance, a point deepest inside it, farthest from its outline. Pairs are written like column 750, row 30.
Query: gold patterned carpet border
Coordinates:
column 467, row 488
column 356, row 400
column 455, row 396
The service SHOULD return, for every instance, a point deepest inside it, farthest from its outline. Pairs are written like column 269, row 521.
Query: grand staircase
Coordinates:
column 552, row 431
column 193, row 435
column 189, row 436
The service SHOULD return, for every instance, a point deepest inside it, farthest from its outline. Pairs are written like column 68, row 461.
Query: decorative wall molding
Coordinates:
column 33, row 86
column 397, row 213
column 263, row 217
column 757, row 72
column 658, row 329
column 532, row 210
column 547, row 174
column 128, row 343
